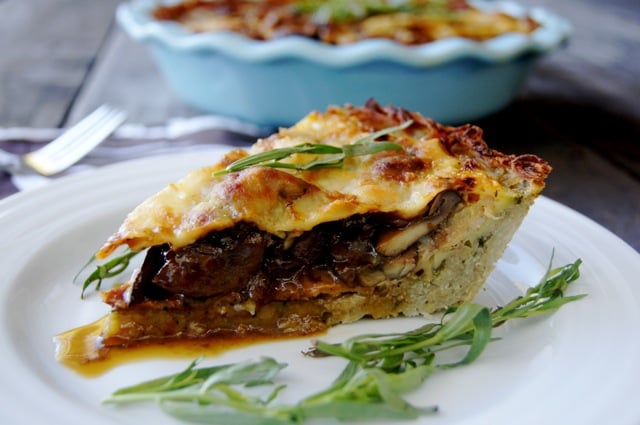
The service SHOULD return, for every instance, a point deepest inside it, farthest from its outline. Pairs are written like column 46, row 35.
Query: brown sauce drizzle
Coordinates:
column 78, row 349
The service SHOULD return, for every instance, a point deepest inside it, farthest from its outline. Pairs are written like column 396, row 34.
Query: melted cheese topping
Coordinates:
column 411, row 22
column 282, row 202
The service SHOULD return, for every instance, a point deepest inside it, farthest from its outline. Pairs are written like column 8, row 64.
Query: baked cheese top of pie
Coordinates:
column 434, row 158
column 409, row 22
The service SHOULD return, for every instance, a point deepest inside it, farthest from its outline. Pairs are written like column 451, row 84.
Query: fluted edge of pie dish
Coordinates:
column 135, row 17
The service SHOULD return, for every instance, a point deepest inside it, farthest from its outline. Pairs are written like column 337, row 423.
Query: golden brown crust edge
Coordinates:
column 465, row 140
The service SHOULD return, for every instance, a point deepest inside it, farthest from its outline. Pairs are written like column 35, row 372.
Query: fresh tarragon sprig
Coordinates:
column 333, row 156
column 468, row 324
column 380, row 368
column 109, row 269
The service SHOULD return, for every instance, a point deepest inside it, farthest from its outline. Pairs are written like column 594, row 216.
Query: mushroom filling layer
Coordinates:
column 332, row 258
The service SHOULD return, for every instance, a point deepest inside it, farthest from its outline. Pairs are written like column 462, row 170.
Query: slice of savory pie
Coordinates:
column 409, row 221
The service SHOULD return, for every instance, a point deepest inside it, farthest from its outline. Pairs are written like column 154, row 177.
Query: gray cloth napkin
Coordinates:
column 128, row 142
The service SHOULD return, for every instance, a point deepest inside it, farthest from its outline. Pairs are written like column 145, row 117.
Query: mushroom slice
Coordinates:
column 401, row 265
column 393, row 242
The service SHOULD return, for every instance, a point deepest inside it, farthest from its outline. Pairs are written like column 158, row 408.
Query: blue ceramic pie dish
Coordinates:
column 277, row 82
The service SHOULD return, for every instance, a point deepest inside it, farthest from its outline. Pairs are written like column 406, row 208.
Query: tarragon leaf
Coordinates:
column 380, row 368
column 109, row 269
column 335, row 158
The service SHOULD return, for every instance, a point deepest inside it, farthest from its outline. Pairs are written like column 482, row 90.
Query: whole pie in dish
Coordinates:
column 409, row 22
column 409, row 223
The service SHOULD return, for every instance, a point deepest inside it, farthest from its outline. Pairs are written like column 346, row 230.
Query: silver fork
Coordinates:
column 69, row 148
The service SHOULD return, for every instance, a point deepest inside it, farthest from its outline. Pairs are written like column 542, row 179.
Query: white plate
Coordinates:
column 579, row 366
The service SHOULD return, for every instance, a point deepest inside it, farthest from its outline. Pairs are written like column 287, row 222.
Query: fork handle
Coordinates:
column 9, row 162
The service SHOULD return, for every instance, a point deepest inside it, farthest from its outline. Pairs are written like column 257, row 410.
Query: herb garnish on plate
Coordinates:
column 381, row 368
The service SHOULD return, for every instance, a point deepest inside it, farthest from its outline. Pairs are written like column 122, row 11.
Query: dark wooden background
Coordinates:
column 580, row 109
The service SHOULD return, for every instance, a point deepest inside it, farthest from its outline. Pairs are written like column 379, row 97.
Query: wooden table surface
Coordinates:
column 580, row 109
